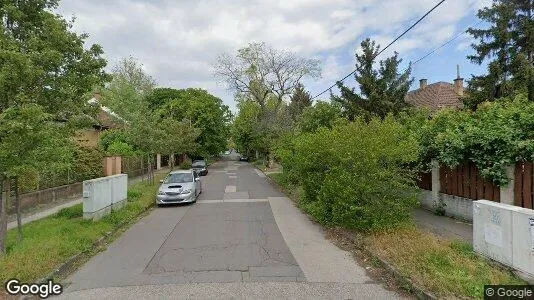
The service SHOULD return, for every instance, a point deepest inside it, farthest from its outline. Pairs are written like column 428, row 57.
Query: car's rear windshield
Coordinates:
column 179, row 178
column 198, row 164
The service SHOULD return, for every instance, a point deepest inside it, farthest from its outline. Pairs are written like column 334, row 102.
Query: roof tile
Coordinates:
column 435, row 96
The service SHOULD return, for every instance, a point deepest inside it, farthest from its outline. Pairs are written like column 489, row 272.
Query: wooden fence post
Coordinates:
column 507, row 192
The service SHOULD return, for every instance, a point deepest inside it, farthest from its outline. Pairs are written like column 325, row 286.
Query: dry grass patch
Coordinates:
column 446, row 268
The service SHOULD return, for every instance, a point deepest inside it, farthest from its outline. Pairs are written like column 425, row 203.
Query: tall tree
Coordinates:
column 205, row 112
column 126, row 96
column 43, row 61
column 508, row 45
column 45, row 71
column 261, row 72
column 381, row 91
column 131, row 71
column 300, row 99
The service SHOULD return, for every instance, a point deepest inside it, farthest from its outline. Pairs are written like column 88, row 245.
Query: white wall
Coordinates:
column 457, row 207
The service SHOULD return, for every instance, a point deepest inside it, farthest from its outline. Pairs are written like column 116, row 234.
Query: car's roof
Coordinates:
column 181, row 171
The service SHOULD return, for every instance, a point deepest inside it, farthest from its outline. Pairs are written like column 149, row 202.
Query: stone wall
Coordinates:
column 46, row 196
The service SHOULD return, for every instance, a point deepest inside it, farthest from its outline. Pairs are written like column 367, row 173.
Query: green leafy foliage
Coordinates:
column 88, row 164
column 356, row 175
column 496, row 135
column 186, row 165
column 381, row 91
column 200, row 110
column 43, row 61
column 147, row 132
column 506, row 47
column 322, row 114
column 122, row 149
column 28, row 147
column 300, row 99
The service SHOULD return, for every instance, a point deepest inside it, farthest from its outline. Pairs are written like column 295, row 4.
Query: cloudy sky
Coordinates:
column 179, row 40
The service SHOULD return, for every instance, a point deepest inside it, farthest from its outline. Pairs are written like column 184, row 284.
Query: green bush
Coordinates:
column 357, row 175
column 122, row 149
column 496, row 135
column 186, row 165
column 88, row 164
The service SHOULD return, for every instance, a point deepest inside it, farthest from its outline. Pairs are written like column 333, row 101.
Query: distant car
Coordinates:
column 182, row 186
column 227, row 153
column 243, row 158
column 200, row 166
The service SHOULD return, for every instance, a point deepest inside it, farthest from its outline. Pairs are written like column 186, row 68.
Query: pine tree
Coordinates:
column 381, row 91
column 509, row 45
column 300, row 99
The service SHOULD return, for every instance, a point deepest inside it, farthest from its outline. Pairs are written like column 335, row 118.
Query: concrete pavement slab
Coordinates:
column 129, row 254
column 224, row 237
column 318, row 258
column 251, row 243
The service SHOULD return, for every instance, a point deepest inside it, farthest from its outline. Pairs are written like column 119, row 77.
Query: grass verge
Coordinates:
column 49, row 242
column 445, row 268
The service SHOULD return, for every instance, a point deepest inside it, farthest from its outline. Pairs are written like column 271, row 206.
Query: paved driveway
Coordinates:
column 242, row 239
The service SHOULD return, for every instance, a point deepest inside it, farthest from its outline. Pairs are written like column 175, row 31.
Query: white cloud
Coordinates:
column 178, row 41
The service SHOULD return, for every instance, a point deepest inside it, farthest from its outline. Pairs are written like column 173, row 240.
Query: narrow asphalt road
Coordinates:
column 242, row 239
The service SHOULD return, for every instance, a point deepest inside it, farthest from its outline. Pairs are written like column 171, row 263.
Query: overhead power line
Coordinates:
column 384, row 49
column 446, row 43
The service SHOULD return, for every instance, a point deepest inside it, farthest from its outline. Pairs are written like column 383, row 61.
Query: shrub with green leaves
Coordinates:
column 186, row 165
column 357, row 175
column 496, row 135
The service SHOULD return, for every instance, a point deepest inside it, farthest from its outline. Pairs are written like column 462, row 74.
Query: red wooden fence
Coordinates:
column 465, row 181
column 523, row 185
column 424, row 180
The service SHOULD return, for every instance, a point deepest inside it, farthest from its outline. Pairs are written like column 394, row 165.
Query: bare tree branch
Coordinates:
column 260, row 72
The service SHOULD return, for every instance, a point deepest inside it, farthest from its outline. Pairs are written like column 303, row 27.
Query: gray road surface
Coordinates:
column 242, row 239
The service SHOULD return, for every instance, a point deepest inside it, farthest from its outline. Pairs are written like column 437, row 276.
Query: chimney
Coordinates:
column 422, row 83
column 458, row 82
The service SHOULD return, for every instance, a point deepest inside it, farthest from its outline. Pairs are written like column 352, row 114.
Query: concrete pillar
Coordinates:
column 158, row 161
column 507, row 192
column 435, row 182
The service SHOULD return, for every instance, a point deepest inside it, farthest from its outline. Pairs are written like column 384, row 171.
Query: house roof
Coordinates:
column 106, row 117
column 435, row 96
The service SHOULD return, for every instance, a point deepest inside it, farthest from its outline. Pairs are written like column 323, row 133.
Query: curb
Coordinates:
column 404, row 281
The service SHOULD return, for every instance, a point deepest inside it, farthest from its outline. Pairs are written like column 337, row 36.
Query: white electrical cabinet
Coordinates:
column 504, row 233
column 101, row 195
column 523, row 240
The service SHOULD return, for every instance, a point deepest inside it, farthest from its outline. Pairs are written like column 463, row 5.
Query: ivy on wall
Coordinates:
column 496, row 135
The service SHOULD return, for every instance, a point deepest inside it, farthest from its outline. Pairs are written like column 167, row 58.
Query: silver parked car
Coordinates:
column 182, row 186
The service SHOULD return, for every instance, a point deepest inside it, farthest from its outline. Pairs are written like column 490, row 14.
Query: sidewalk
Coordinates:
column 443, row 226
column 52, row 209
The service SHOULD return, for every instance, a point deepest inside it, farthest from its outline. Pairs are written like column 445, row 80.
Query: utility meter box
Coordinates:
column 492, row 230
